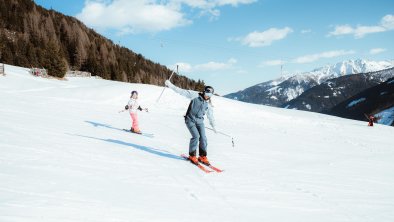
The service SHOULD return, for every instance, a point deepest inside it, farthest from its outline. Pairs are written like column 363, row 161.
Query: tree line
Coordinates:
column 32, row 36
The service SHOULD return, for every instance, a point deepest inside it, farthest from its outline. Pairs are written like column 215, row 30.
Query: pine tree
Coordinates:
column 54, row 62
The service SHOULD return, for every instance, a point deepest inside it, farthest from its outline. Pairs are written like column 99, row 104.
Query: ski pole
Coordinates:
column 232, row 139
column 168, row 79
column 121, row 111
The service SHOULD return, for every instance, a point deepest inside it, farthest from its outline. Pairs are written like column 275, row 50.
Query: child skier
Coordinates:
column 133, row 106
column 194, row 119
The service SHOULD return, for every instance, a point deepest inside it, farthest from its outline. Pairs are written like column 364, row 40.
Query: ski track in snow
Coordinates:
column 64, row 156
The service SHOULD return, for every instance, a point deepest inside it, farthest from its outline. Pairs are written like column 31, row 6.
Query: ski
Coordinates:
column 142, row 134
column 198, row 165
column 213, row 168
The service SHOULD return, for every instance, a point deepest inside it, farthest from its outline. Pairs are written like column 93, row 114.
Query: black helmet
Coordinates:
column 132, row 92
column 208, row 89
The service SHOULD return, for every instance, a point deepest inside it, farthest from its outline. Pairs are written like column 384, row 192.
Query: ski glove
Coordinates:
column 167, row 83
column 126, row 107
column 214, row 129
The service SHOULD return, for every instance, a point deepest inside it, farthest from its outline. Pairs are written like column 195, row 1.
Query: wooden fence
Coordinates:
column 2, row 72
column 78, row 74
column 39, row 72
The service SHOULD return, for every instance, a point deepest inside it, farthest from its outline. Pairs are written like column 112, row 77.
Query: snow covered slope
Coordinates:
column 278, row 92
column 65, row 157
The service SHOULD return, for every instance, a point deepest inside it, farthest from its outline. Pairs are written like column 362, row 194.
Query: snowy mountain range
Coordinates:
column 64, row 156
column 278, row 92
column 323, row 97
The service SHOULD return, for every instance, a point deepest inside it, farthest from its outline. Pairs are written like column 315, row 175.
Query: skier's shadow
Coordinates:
column 95, row 124
column 159, row 152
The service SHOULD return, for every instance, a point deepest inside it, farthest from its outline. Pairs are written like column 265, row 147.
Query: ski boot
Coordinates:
column 193, row 159
column 135, row 131
column 203, row 160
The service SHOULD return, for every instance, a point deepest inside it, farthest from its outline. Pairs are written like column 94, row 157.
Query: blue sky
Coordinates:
column 234, row 44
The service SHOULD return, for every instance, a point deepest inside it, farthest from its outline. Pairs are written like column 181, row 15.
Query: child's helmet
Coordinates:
column 134, row 92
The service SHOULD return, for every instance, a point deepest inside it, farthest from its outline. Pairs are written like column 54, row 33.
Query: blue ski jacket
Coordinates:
column 198, row 106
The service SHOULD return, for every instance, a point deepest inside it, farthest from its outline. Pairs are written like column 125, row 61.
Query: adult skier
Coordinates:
column 200, row 105
column 372, row 119
column 133, row 106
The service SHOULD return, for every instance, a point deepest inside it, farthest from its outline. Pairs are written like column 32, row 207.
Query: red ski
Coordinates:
column 213, row 168
column 198, row 165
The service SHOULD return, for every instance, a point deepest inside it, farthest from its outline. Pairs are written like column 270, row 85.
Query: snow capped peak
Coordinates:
column 351, row 67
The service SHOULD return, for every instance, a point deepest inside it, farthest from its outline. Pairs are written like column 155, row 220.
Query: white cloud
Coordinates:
column 342, row 30
column 264, row 38
column 305, row 31
column 276, row 62
column 132, row 16
column 376, row 51
column 386, row 24
column 328, row 54
column 209, row 7
column 205, row 67
column 147, row 15
column 234, row 2
column 215, row 66
column 361, row 31
column 182, row 67
column 209, row 4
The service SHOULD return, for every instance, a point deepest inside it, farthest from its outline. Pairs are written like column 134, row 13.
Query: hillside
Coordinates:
column 372, row 101
column 31, row 36
column 327, row 95
column 65, row 157
column 255, row 93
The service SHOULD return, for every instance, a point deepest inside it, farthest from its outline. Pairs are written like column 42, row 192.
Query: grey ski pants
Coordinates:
column 198, row 138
